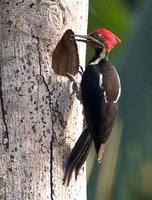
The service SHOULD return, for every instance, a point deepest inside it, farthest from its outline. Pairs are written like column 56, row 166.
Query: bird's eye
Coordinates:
column 97, row 35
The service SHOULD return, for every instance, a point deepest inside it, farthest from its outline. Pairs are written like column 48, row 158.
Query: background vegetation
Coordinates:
column 126, row 171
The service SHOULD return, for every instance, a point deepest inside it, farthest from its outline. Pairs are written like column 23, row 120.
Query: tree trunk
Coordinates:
column 39, row 119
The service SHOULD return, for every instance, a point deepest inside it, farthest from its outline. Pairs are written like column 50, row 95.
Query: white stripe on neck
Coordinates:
column 101, row 56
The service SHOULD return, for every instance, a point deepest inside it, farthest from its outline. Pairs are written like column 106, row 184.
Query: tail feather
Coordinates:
column 83, row 156
column 78, row 155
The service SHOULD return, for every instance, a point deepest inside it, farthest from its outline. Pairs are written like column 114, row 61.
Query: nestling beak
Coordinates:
column 87, row 39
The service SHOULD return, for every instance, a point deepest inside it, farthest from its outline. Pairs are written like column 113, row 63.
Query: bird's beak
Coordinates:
column 87, row 39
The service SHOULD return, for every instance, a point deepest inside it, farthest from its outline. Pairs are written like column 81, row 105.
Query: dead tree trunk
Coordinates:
column 39, row 120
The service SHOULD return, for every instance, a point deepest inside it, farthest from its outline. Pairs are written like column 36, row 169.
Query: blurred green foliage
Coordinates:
column 126, row 171
column 109, row 14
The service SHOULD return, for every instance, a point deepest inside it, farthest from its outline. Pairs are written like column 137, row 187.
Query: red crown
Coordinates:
column 111, row 39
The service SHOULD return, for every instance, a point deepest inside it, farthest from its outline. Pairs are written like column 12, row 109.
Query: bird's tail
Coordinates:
column 78, row 156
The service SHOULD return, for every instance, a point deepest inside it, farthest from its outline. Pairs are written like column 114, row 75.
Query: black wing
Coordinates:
column 99, row 89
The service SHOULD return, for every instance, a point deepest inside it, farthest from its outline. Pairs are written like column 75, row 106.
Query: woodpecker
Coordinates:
column 100, row 91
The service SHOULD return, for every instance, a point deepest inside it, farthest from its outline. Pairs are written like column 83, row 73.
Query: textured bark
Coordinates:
column 39, row 120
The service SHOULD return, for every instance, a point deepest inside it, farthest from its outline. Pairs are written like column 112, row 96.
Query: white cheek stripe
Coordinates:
column 101, row 56
column 119, row 92
column 95, row 62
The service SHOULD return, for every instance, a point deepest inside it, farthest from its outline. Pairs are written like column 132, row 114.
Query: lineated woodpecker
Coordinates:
column 100, row 91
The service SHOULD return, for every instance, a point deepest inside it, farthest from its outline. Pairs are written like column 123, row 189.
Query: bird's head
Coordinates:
column 99, row 39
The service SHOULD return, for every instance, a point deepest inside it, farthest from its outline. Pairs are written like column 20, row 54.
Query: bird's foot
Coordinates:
column 81, row 70
column 75, row 87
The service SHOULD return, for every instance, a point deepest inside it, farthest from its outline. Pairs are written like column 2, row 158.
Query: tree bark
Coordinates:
column 39, row 119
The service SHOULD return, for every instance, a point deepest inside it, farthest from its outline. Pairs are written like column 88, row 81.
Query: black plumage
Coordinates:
column 100, row 90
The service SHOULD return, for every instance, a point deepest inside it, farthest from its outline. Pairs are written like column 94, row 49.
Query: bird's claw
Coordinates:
column 81, row 70
column 74, row 83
